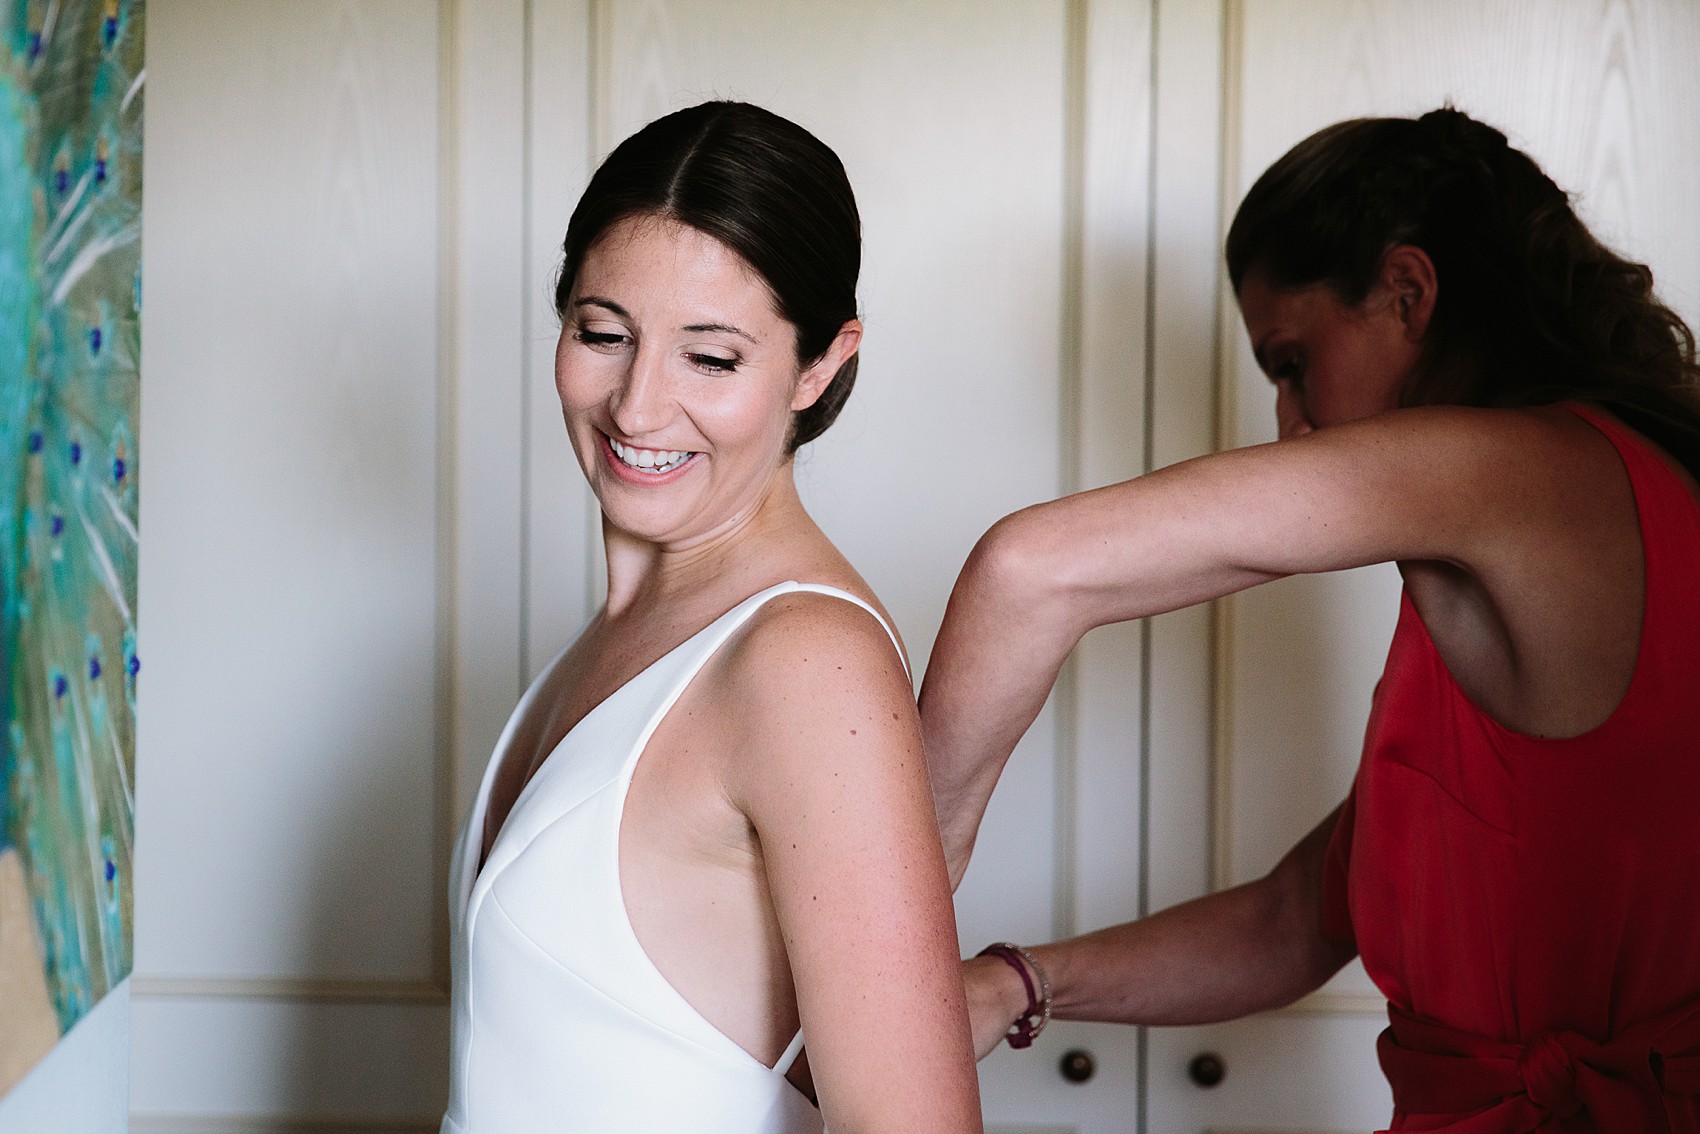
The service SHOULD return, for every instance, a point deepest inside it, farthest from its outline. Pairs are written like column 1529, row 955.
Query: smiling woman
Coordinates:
column 690, row 376
column 706, row 833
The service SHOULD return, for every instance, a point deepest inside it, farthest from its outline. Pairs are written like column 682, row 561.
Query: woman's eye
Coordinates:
column 714, row 362
column 599, row 339
column 1289, row 370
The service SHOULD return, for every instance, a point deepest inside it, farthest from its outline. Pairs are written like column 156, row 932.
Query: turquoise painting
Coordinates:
column 71, row 75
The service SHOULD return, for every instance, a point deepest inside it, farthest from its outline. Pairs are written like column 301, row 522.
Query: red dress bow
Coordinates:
column 1644, row 1080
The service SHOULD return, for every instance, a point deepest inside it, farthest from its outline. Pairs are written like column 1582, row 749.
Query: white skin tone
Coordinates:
column 779, row 854
column 1515, row 532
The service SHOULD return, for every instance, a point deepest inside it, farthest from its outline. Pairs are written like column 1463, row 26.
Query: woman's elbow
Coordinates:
column 1019, row 565
column 1311, row 954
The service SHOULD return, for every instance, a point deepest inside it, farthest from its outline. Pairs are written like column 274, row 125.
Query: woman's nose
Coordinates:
column 1290, row 419
column 639, row 402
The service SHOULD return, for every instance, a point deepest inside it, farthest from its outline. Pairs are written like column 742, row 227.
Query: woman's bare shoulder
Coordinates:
column 812, row 683
column 820, row 643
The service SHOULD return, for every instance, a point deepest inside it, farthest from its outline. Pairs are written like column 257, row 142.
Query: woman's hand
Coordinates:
column 995, row 998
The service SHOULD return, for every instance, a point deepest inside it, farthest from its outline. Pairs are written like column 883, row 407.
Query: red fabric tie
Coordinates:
column 1548, row 1070
column 1642, row 1081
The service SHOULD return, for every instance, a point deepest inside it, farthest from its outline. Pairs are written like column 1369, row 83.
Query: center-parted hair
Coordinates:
column 764, row 187
column 1531, row 308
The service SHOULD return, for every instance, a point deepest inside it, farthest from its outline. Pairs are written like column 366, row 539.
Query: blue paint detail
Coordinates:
column 35, row 46
column 60, row 685
column 58, row 525
column 94, row 339
column 118, row 469
column 100, row 171
column 76, row 452
column 111, row 870
column 61, row 180
column 35, row 441
column 135, row 665
column 109, row 30
column 94, row 668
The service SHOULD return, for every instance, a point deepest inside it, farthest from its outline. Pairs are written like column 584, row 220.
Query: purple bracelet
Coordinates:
column 1038, row 1012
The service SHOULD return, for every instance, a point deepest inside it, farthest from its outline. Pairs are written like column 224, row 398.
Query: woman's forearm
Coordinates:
column 1219, row 957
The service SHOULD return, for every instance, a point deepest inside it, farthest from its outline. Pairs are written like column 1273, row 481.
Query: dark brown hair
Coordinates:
column 764, row 187
column 1531, row 309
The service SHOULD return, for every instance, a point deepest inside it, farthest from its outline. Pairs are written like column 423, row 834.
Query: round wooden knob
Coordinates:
column 1077, row 1065
column 1207, row 1069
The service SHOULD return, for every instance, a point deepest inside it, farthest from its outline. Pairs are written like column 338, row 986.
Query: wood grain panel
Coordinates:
column 563, row 545
column 482, row 326
column 289, row 590
column 1110, row 444
column 1283, row 1073
column 1599, row 93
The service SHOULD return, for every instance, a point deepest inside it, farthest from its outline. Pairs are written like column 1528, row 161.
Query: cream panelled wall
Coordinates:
column 288, row 951
column 364, row 531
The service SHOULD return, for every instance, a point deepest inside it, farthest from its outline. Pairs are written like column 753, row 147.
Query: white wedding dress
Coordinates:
column 561, row 1023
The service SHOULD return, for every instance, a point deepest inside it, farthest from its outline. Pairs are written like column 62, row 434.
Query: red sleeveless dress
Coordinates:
column 1531, row 908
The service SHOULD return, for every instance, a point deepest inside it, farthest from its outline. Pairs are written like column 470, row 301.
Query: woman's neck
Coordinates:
column 645, row 572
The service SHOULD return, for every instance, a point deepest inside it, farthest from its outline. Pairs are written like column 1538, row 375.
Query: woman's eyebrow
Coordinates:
column 694, row 328
column 599, row 301
column 724, row 328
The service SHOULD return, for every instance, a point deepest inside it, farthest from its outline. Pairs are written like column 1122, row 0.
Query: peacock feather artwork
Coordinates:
column 71, row 74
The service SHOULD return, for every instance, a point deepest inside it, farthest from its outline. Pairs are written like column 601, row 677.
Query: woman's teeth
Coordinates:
column 650, row 460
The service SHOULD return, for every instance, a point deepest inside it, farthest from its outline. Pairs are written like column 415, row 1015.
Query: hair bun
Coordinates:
column 1456, row 131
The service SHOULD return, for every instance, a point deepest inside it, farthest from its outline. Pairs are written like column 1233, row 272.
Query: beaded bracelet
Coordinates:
column 1032, row 1021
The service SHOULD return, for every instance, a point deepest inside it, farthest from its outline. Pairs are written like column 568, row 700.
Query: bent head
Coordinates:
column 1496, row 292
column 708, row 304
column 1333, row 361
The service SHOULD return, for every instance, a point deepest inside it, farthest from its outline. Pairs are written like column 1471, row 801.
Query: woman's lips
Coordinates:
column 667, row 465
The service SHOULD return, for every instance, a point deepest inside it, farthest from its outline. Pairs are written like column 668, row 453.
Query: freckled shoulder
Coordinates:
column 811, row 669
column 807, row 640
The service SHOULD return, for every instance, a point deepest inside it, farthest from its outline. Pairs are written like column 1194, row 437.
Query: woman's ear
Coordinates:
column 1408, row 276
column 814, row 380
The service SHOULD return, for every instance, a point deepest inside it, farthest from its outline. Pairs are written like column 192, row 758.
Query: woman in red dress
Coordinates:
column 1470, row 385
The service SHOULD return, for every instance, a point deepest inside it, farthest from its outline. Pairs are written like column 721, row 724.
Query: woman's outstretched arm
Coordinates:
column 1493, row 492
column 1257, row 946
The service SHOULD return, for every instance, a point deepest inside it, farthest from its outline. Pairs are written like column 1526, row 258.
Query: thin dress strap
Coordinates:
column 789, row 1056
column 823, row 589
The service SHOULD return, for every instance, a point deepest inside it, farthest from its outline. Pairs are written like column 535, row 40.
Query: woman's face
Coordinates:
column 678, row 380
column 1330, row 362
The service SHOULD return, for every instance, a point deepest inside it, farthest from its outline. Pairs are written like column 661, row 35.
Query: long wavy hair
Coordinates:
column 767, row 189
column 1531, row 308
